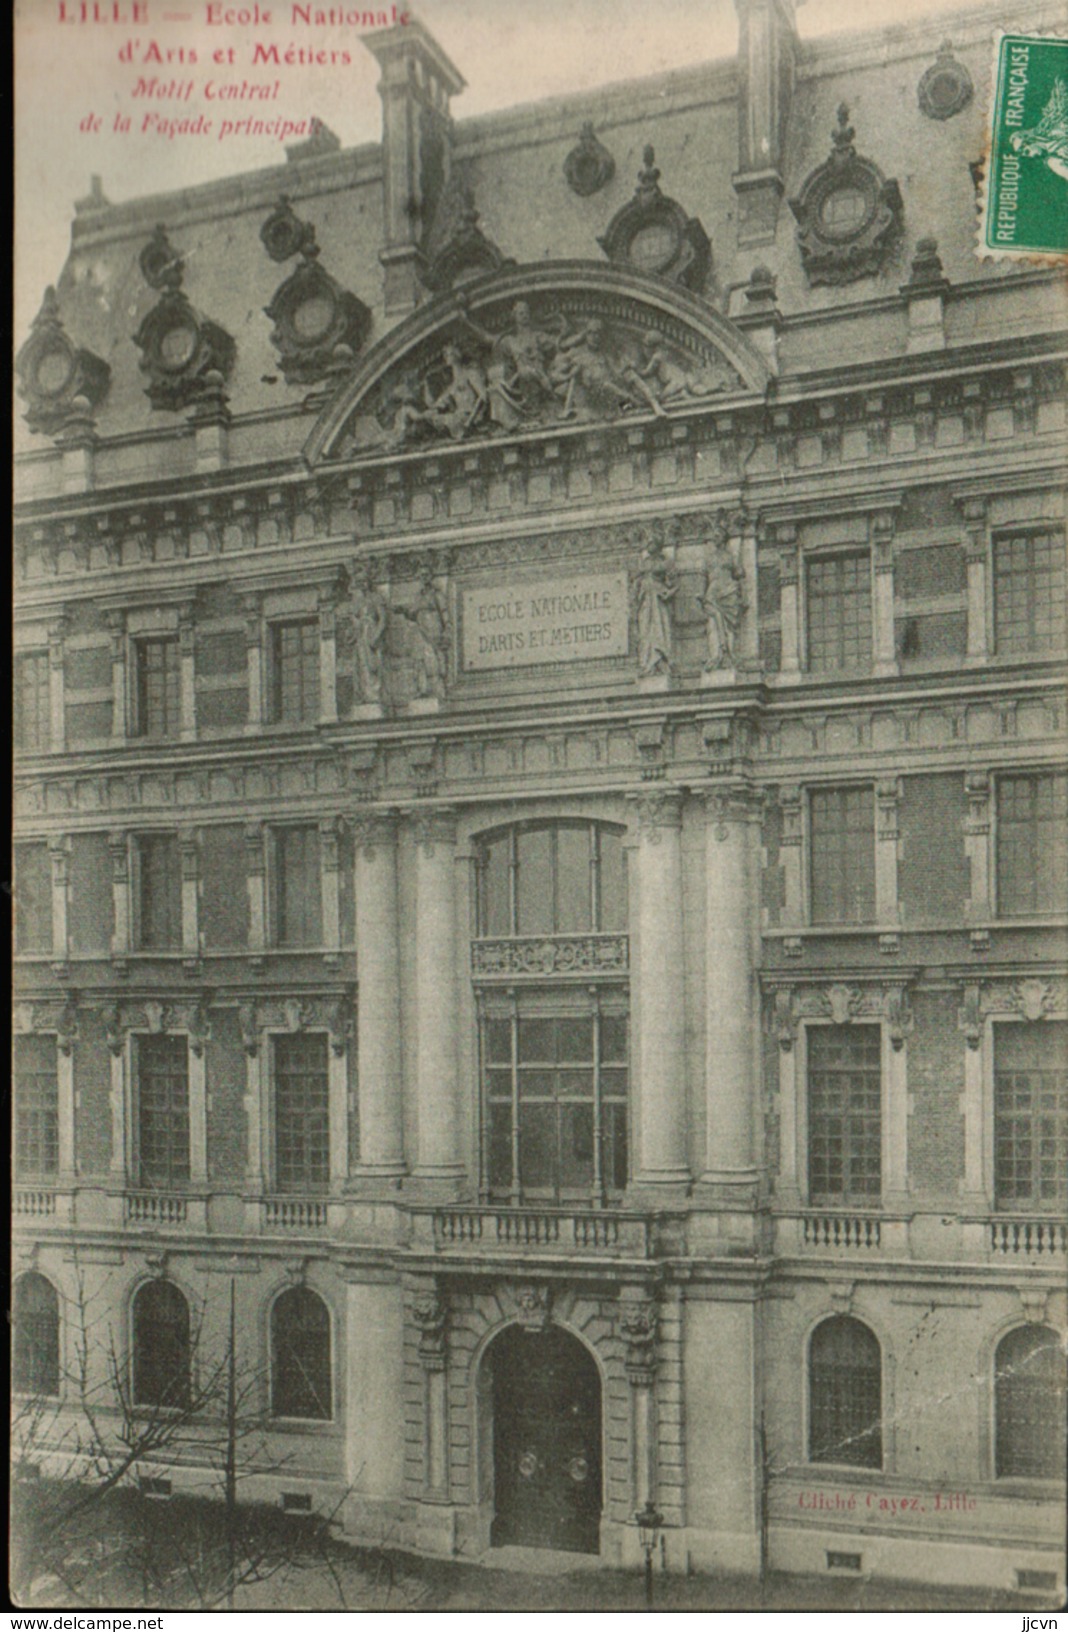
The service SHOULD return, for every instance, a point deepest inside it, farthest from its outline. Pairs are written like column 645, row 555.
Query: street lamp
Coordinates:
column 648, row 1521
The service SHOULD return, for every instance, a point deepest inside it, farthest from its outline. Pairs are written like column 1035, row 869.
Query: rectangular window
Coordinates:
column 159, row 892
column 842, row 855
column 298, row 915
column 301, row 1114
column 33, row 898
column 1029, row 592
column 33, row 717
column 36, row 1108
column 844, row 1115
column 838, row 603
column 555, row 1087
column 1031, row 1116
column 162, row 1111
column 1032, row 844
column 295, row 671
column 157, row 673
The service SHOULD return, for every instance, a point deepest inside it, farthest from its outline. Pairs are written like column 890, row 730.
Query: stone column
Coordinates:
column 187, row 673
column 731, row 815
column 122, row 936
column 56, row 686
column 662, row 1143
column 254, row 657
column 883, row 642
column 789, row 604
column 256, row 877
column 378, row 1033
column 976, row 551
column 59, row 859
column 435, row 982
column 327, row 658
column 190, row 865
column 116, row 622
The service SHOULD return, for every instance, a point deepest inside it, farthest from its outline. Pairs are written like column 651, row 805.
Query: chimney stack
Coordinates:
column 417, row 80
column 767, row 51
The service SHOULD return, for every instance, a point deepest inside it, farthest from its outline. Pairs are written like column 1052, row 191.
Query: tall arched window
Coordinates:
column 845, row 1394
column 162, row 1350
column 550, row 967
column 35, row 1361
column 300, row 1355
column 1030, row 1399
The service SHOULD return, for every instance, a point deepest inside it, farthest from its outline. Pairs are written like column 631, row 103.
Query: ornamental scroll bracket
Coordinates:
column 430, row 1315
column 533, row 1307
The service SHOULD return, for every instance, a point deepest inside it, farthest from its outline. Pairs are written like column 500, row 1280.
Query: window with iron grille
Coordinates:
column 301, row 1384
column 845, row 1394
column 33, row 706
column 158, row 687
column 842, row 855
column 844, row 1114
column 1029, row 592
column 162, row 1111
column 1030, row 1401
column 546, row 878
column 295, row 671
column 555, row 1082
column 1031, row 1116
column 297, row 888
column 1032, row 857
column 35, row 1351
column 159, row 886
column 838, row 609
column 301, row 1114
column 33, row 898
column 36, row 1108
column 162, row 1348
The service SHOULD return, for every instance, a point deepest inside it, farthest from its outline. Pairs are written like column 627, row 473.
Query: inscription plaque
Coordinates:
column 550, row 620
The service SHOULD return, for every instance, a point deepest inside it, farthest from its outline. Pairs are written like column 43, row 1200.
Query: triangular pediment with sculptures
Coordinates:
column 535, row 349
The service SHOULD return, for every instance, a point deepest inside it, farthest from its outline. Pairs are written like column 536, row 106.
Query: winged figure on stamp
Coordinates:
column 1049, row 138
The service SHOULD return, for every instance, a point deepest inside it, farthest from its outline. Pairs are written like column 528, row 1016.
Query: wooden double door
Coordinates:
column 546, row 1441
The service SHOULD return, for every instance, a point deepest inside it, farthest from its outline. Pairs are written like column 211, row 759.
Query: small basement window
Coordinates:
column 293, row 1502
column 844, row 1561
column 1036, row 1580
column 158, row 1489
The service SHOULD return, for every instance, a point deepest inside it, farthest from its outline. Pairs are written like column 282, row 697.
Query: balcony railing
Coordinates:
column 155, row 1208
column 853, row 1231
column 552, row 1230
column 1029, row 1237
column 293, row 1213
column 29, row 1202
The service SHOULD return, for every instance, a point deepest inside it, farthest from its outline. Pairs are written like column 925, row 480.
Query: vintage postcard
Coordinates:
column 540, row 785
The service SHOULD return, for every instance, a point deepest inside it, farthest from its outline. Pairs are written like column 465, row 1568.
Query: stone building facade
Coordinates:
column 540, row 793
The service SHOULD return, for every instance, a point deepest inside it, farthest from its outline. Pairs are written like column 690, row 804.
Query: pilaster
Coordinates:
column 254, row 656
column 56, row 685
column 327, row 659
column 437, row 1083
column 187, row 673
column 977, row 560
column 978, row 825
column 256, row 879
column 662, row 1132
column 119, row 852
column 883, row 642
column 330, row 884
column 59, row 862
column 189, row 854
column 116, row 622
column 790, row 603
column 378, row 1017
column 887, row 799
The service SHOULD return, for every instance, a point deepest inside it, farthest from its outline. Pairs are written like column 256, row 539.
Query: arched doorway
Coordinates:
column 546, row 1395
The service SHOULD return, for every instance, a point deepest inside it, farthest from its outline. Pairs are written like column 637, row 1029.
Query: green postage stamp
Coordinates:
column 1025, row 204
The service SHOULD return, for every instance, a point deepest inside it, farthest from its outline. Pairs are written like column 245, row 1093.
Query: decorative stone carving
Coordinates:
column 361, row 629
column 187, row 357
column 428, row 627
column 532, row 1307
column 540, row 363
column 849, row 216
column 462, row 252
column 114, row 1030
column 722, row 599
column 1032, row 1000
column 250, row 1034
column 653, row 586
column 200, row 1026
column 61, row 383
column 638, row 1327
column 842, row 1005
column 341, row 1026
column 156, row 1264
column 567, row 955
column 589, row 166
column 654, row 234
column 658, row 810
column 319, row 327
column 945, row 87
column 430, row 1315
